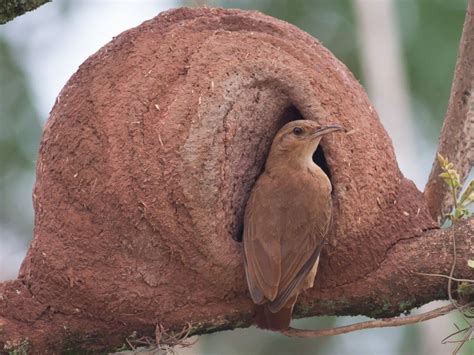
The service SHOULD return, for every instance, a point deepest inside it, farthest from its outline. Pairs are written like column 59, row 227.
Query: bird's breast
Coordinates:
column 305, row 189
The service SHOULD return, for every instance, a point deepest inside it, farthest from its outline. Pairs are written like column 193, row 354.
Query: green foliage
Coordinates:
column 20, row 131
column 451, row 177
column 430, row 32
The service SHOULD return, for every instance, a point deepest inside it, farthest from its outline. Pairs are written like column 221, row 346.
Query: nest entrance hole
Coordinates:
column 291, row 113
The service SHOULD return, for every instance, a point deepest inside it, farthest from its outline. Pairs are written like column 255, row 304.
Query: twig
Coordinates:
column 469, row 328
column 461, row 342
column 445, row 276
column 163, row 338
column 378, row 323
column 129, row 344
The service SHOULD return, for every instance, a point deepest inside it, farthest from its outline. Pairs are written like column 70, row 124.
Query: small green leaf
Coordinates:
column 445, row 175
column 464, row 212
column 451, row 183
column 441, row 160
column 451, row 178
column 454, row 174
column 459, row 213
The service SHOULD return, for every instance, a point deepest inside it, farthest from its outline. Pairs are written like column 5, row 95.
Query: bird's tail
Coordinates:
column 280, row 320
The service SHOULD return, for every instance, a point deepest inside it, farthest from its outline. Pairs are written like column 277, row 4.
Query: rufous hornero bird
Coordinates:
column 287, row 217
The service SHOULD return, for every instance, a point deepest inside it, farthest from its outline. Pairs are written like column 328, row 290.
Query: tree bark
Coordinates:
column 457, row 134
column 9, row 9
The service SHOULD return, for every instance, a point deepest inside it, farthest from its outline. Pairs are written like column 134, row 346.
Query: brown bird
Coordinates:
column 286, row 220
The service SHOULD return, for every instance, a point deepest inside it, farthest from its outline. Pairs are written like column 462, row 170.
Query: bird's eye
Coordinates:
column 298, row 131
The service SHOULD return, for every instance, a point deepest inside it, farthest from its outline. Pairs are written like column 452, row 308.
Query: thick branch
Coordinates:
column 457, row 134
column 393, row 288
column 9, row 9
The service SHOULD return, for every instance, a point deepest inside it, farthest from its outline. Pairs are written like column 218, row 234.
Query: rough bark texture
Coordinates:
column 457, row 135
column 9, row 9
column 144, row 170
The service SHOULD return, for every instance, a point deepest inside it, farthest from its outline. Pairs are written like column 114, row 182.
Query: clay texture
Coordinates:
column 149, row 155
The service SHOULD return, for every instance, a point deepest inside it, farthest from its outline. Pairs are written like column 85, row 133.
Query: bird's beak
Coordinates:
column 326, row 129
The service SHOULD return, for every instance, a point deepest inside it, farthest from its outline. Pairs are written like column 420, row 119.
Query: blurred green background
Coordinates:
column 408, row 77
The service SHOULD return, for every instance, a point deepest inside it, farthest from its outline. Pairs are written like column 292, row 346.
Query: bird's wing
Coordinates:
column 262, row 244
column 301, row 245
column 282, row 239
column 293, row 286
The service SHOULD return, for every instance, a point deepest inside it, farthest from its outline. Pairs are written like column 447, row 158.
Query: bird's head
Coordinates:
column 298, row 140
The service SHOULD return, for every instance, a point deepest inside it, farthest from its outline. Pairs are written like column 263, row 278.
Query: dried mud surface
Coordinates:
column 147, row 160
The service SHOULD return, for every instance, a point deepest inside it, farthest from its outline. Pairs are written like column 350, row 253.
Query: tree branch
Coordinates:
column 395, row 287
column 9, row 9
column 379, row 323
column 455, row 141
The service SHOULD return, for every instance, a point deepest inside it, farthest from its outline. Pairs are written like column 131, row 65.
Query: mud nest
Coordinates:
column 149, row 155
